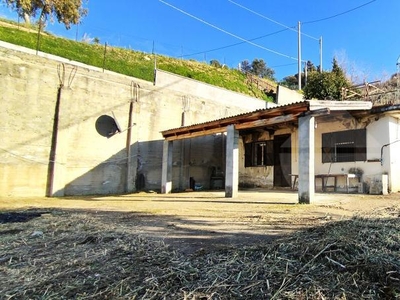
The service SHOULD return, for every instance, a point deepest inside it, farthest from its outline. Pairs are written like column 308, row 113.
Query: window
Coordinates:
column 259, row 154
column 344, row 146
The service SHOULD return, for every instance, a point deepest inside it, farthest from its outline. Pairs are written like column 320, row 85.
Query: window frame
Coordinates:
column 334, row 145
column 259, row 154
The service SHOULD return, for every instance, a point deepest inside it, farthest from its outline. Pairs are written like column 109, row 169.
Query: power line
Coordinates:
column 236, row 44
column 271, row 20
column 285, row 65
column 227, row 32
column 339, row 14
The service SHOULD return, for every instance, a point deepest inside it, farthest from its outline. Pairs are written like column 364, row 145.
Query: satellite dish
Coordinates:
column 116, row 123
column 107, row 126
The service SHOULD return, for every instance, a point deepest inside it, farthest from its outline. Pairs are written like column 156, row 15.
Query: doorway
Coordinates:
column 282, row 160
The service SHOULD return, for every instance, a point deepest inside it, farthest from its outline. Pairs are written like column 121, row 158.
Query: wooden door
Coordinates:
column 282, row 160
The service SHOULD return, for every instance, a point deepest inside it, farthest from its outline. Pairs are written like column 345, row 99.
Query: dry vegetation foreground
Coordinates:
column 200, row 246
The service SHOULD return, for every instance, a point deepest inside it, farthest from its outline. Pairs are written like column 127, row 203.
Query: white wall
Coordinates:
column 377, row 135
column 285, row 96
column 394, row 153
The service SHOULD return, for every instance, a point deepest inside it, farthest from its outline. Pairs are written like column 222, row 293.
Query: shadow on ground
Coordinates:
column 187, row 234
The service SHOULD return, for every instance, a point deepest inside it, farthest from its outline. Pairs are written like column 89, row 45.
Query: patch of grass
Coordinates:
column 128, row 62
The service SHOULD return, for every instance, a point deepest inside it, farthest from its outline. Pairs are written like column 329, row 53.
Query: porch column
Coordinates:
column 306, row 186
column 232, row 163
column 166, row 176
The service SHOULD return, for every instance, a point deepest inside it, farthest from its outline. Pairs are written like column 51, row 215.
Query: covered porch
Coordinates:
column 298, row 116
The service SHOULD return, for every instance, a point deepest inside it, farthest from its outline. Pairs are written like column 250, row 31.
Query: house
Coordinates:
column 73, row 129
column 342, row 146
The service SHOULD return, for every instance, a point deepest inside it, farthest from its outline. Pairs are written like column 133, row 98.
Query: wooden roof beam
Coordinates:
column 235, row 120
column 267, row 122
column 193, row 134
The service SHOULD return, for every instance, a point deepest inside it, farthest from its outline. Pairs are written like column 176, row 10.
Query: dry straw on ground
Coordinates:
column 61, row 254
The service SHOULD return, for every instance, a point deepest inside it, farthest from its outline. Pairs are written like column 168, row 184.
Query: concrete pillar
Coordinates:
column 166, row 176
column 306, row 186
column 232, row 163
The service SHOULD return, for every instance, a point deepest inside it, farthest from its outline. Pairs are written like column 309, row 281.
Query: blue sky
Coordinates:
column 364, row 35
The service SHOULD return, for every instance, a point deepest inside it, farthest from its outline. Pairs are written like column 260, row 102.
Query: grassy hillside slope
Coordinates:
column 130, row 62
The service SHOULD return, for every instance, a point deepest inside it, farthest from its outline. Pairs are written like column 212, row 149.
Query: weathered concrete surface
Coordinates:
column 226, row 99
column 85, row 161
column 306, row 159
column 166, row 177
column 286, row 96
column 232, row 162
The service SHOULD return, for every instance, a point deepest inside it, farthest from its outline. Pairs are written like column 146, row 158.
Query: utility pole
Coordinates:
column 320, row 54
column 398, row 80
column 299, row 56
column 155, row 65
column 305, row 72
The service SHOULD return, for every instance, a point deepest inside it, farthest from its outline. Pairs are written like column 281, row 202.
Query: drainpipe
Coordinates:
column 384, row 147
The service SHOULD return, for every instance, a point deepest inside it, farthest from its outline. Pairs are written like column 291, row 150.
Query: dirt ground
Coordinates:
column 196, row 221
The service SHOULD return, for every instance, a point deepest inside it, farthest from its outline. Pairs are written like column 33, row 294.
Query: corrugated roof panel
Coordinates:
column 219, row 125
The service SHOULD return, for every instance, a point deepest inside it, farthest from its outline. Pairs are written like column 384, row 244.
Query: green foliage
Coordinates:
column 67, row 11
column 290, row 82
column 320, row 86
column 259, row 68
column 326, row 85
column 310, row 67
column 245, row 66
column 132, row 63
column 215, row 63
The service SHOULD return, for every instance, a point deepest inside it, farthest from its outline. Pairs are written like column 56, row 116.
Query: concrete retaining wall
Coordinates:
column 219, row 95
column 41, row 121
column 286, row 96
